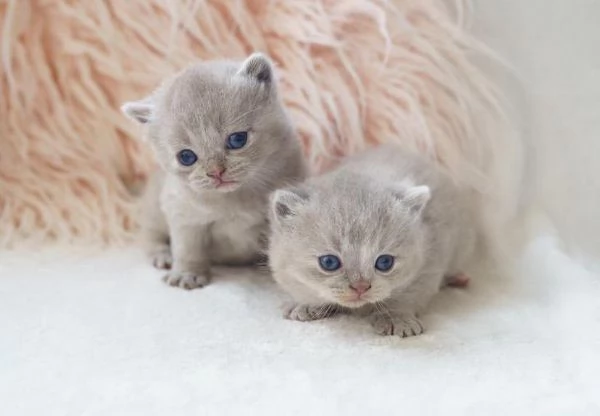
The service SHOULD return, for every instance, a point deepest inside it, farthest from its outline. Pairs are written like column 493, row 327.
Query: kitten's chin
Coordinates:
column 348, row 300
column 223, row 187
column 353, row 304
column 226, row 187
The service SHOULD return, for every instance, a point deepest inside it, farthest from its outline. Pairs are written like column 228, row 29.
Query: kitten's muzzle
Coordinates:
column 216, row 173
column 360, row 287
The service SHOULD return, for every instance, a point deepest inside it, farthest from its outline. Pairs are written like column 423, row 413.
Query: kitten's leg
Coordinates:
column 403, row 325
column 300, row 312
column 159, row 250
column 154, row 228
column 398, row 315
column 191, row 266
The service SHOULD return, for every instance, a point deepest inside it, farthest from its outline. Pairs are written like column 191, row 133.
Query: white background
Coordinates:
column 554, row 45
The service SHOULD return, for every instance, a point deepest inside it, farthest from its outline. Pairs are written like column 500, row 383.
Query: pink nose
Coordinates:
column 216, row 173
column 360, row 286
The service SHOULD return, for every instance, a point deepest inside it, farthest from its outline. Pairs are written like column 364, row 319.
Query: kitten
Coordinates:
column 224, row 143
column 377, row 236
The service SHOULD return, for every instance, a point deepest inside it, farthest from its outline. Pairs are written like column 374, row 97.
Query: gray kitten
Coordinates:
column 224, row 143
column 377, row 236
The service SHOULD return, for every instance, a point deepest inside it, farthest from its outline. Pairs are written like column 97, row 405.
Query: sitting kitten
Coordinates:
column 224, row 143
column 378, row 236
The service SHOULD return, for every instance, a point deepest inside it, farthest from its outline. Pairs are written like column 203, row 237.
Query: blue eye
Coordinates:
column 329, row 262
column 237, row 140
column 187, row 157
column 384, row 262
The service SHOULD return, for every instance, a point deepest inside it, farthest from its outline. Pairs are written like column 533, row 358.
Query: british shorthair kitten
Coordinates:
column 377, row 236
column 224, row 142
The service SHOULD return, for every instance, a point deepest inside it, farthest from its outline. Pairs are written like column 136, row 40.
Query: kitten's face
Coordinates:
column 350, row 243
column 215, row 124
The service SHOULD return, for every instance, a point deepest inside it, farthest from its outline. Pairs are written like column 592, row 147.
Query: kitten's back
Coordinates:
column 391, row 163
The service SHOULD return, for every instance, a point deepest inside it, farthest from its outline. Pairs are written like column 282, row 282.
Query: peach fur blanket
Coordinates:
column 353, row 73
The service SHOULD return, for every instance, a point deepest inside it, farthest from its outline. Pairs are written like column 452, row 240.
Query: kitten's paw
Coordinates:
column 383, row 325
column 162, row 260
column 407, row 326
column 305, row 313
column 403, row 325
column 186, row 280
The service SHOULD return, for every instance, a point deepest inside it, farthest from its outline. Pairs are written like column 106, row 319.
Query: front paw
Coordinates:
column 186, row 280
column 402, row 325
column 303, row 313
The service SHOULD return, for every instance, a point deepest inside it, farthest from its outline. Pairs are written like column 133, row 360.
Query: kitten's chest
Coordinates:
column 223, row 212
column 230, row 222
column 245, row 233
column 238, row 236
column 237, row 228
column 232, row 214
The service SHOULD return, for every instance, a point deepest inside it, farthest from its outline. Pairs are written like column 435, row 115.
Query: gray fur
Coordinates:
column 385, row 201
column 189, row 223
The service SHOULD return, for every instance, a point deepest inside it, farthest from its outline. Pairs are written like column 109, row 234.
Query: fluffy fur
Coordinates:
column 195, row 217
column 352, row 72
column 385, row 202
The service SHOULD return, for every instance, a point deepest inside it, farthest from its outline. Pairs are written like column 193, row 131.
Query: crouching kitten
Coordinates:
column 224, row 143
column 377, row 236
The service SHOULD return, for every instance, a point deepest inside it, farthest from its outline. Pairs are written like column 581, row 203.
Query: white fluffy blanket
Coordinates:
column 104, row 336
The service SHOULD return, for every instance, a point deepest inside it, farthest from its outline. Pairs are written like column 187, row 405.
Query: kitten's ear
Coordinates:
column 286, row 202
column 140, row 111
column 258, row 67
column 414, row 198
